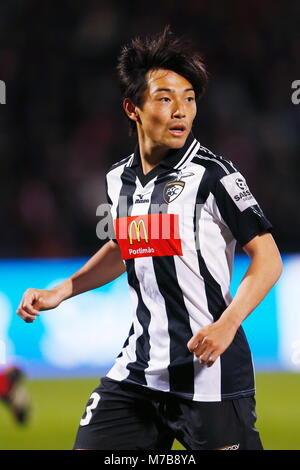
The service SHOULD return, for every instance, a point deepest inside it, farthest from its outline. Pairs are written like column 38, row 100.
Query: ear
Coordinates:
column 130, row 109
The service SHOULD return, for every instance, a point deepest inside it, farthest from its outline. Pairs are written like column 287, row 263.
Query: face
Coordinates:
column 166, row 116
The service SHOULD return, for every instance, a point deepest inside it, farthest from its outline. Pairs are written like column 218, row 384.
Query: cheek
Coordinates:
column 193, row 112
column 156, row 120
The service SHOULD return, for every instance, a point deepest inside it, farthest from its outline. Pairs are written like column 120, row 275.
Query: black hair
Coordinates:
column 160, row 51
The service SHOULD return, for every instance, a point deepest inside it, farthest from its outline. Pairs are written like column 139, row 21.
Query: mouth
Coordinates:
column 177, row 129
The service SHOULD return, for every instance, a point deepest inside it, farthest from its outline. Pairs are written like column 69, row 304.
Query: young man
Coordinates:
column 185, row 370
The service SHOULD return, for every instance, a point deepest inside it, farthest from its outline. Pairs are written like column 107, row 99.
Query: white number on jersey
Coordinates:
column 95, row 397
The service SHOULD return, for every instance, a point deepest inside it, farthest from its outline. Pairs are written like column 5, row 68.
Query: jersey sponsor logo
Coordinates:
column 137, row 226
column 148, row 235
column 238, row 190
column 174, row 188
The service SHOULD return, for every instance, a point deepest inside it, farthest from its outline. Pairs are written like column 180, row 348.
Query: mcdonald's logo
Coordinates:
column 137, row 227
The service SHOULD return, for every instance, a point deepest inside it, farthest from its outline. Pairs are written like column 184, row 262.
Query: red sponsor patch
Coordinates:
column 148, row 235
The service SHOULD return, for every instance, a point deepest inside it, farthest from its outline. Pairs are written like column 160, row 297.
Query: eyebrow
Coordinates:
column 169, row 89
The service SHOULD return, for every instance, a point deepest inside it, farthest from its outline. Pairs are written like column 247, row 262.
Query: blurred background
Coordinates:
column 61, row 128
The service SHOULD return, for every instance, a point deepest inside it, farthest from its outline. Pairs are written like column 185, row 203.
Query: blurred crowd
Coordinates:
column 63, row 125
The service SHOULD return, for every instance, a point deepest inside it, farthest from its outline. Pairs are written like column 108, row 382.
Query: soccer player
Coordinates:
column 185, row 370
column 13, row 393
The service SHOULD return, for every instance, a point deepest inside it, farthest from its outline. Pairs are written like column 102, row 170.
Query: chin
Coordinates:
column 177, row 142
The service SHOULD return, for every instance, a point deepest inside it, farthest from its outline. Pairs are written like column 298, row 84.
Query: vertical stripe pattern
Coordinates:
column 177, row 292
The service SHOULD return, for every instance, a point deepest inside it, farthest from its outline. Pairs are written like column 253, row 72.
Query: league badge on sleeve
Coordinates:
column 237, row 188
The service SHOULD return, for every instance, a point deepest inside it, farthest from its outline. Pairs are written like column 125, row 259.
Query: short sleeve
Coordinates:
column 109, row 201
column 239, row 209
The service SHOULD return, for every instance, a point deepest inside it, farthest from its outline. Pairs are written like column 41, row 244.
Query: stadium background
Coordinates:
column 61, row 128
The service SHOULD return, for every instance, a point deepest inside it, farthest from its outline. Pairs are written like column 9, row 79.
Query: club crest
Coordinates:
column 173, row 189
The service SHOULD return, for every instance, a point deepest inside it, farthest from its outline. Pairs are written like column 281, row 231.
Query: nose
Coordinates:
column 178, row 110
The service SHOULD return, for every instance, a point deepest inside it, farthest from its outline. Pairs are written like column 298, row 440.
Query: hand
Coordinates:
column 35, row 300
column 211, row 341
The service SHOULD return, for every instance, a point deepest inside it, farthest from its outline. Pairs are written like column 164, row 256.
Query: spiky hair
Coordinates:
column 160, row 51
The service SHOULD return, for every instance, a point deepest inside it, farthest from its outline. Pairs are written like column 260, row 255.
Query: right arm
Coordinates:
column 102, row 268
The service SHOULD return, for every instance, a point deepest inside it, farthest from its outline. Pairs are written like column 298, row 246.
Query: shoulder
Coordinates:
column 120, row 165
column 216, row 165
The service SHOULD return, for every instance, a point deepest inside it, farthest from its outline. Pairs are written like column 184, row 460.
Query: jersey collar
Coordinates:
column 175, row 158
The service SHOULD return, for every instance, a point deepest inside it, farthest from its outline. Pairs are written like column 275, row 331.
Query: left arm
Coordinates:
column 263, row 272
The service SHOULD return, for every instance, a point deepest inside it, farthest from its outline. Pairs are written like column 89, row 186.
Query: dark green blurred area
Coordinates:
column 57, row 406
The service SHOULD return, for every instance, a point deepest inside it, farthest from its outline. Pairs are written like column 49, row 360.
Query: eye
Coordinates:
column 190, row 98
column 164, row 98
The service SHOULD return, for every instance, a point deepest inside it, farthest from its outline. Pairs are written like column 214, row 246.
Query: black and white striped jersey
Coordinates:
column 177, row 228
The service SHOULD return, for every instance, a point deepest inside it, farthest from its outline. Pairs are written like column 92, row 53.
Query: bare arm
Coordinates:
column 105, row 266
column 263, row 272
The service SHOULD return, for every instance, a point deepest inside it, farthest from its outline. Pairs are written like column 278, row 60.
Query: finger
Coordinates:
column 29, row 320
column 200, row 350
column 25, row 316
column 212, row 359
column 205, row 356
column 201, row 347
column 26, row 305
column 195, row 342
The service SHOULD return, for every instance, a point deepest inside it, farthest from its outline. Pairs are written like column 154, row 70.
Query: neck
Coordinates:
column 150, row 154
